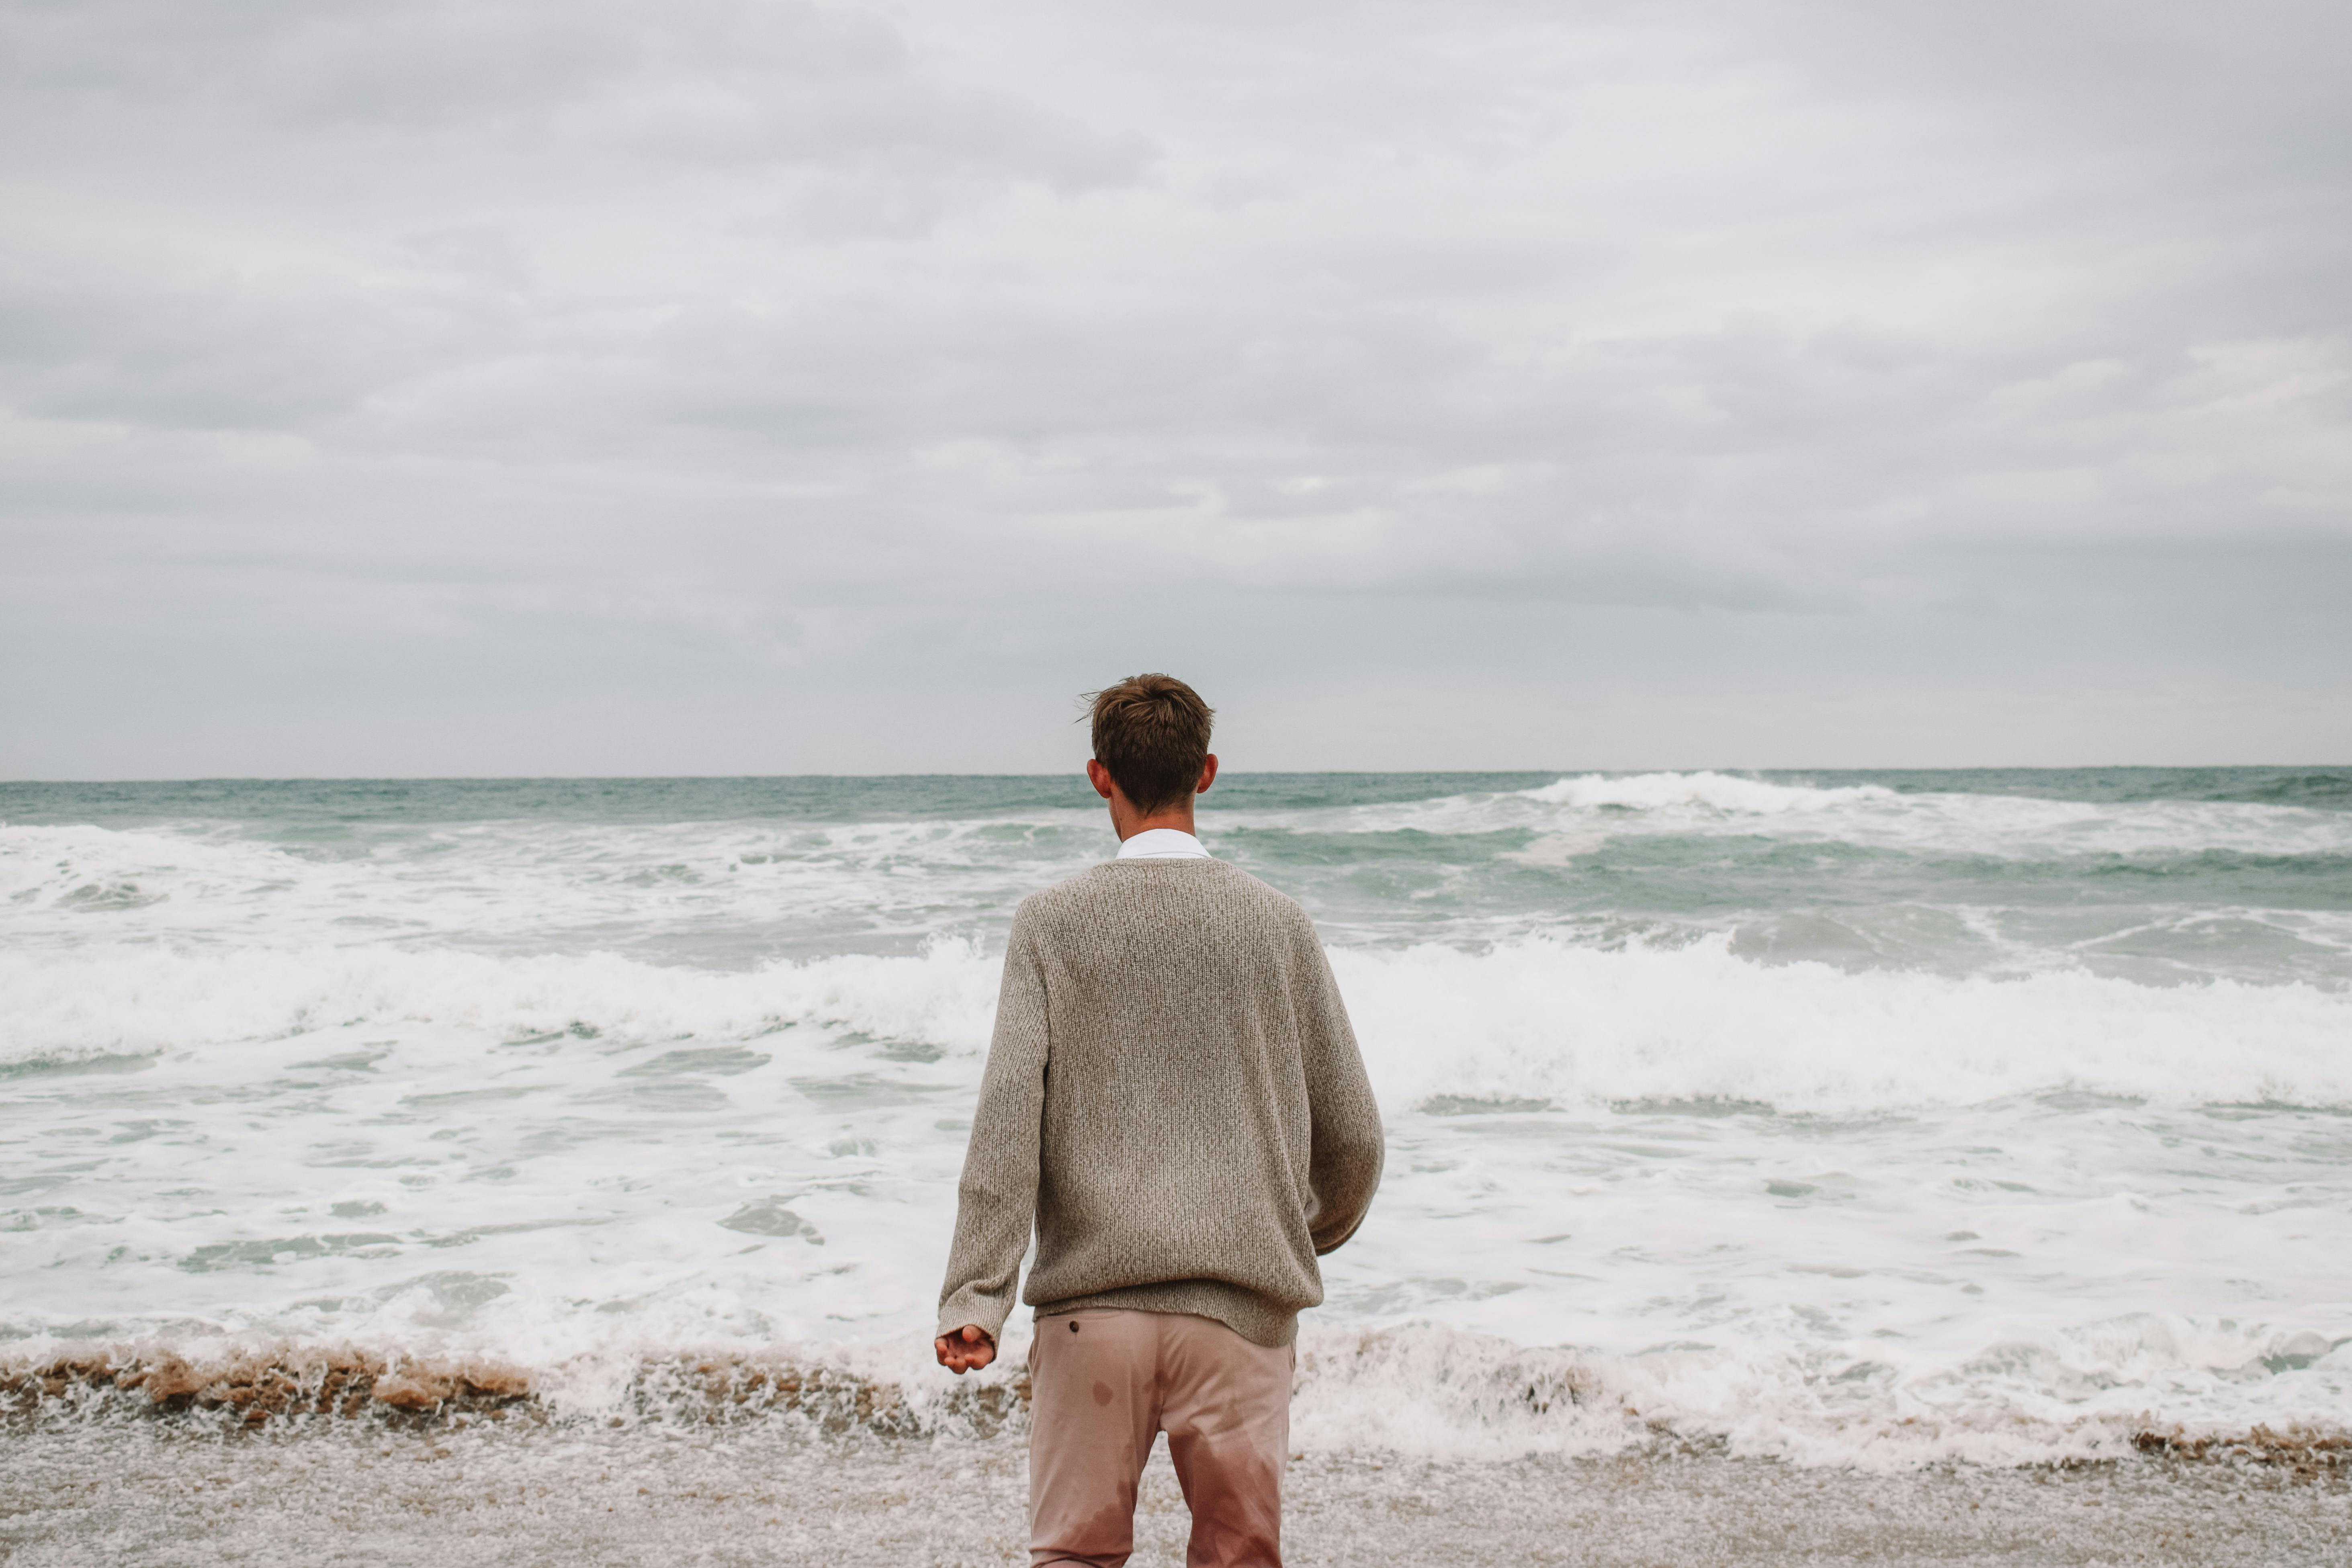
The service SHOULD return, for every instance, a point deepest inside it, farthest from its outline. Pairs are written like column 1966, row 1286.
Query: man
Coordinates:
column 1174, row 1095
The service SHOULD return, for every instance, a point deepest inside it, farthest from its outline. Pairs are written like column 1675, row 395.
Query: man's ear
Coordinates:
column 1099, row 776
column 1208, row 774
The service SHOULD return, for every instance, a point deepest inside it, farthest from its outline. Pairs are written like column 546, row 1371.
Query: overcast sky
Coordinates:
column 750, row 386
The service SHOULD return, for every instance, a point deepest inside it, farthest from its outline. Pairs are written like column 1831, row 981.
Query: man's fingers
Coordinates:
column 966, row 1349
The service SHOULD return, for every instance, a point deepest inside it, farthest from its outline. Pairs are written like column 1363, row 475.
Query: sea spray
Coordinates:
column 1425, row 1393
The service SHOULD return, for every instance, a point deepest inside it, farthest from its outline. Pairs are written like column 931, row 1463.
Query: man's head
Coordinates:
column 1152, row 733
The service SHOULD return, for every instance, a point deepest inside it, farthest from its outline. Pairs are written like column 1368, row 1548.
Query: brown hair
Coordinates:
column 1152, row 733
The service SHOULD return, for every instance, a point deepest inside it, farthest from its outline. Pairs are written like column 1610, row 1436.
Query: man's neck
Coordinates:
column 1181, row 821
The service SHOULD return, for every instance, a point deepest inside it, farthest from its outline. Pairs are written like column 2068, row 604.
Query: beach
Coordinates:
column 491, row 1493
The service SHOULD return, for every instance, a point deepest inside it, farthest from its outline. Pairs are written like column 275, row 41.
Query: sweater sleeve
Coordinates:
column 1348, row 1149
column 997, row 1198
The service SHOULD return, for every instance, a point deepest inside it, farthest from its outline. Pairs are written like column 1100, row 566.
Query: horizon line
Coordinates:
column 1224, row 772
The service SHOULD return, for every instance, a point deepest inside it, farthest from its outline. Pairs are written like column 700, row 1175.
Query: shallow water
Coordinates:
column 1851, row 1119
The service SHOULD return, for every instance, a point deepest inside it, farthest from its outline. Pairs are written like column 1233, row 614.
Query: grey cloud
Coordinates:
column 731, row 80
column 786, row 350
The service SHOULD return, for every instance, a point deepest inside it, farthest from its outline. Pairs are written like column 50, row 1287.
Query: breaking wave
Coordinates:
column 1530, row 1020
column 1426, row 1391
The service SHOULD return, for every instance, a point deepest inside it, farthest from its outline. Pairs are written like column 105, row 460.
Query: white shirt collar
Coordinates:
column 1162, row 843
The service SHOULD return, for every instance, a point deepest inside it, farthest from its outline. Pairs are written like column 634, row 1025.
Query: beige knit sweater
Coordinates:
column 1173, row 1093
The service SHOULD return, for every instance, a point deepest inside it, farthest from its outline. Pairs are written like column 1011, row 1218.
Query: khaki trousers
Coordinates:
column 1103, row 1384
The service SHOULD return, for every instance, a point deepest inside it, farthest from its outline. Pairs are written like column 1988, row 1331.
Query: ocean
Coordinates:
column 1862, row 1121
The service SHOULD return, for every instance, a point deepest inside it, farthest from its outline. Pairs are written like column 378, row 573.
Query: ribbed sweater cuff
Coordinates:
column 984, row 1313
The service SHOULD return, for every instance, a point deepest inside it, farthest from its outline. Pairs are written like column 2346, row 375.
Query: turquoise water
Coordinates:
column 2155, row 873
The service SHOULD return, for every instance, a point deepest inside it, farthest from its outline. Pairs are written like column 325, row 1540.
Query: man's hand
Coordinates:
column 966, row 1350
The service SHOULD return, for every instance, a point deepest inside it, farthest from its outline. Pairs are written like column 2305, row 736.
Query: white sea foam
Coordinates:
column 545, row 1091
column 137, row 1000
column 1431, row 1391
column 1588, row 809
column 1445, row 1395
column 1716, row 792
column 1537, row 1019
column 1998, row 826
column 1549, row 1021
column 710, row 891
column 1770, row 1203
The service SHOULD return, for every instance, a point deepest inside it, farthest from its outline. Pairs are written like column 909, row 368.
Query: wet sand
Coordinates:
column 523, row 1493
